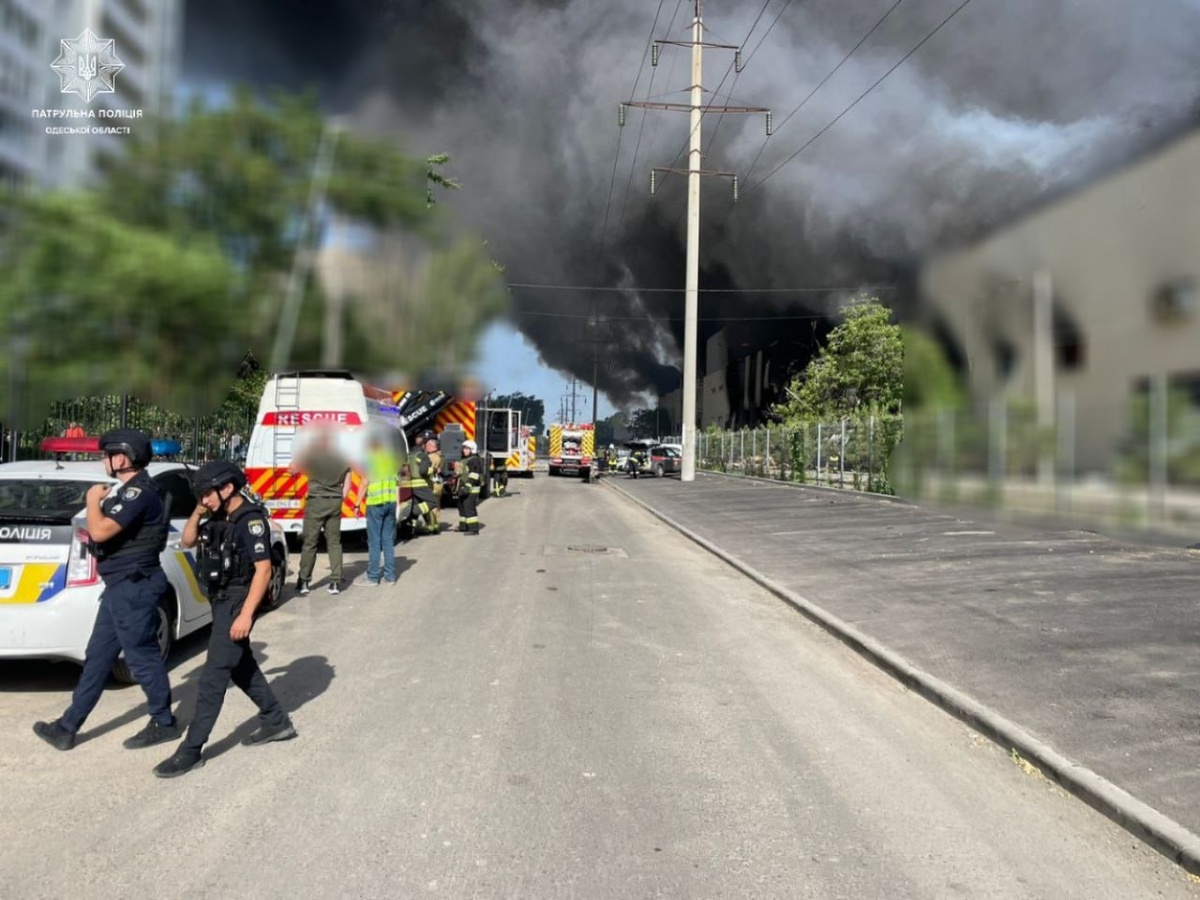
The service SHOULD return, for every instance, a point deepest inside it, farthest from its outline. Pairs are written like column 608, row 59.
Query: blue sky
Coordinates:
column 506, row 362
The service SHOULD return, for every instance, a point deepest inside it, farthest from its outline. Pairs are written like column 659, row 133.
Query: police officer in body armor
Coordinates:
column 128, row 526
column 235, row 572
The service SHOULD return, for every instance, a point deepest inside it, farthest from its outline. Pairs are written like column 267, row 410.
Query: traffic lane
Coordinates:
column 1086, row 641
column 527, row 714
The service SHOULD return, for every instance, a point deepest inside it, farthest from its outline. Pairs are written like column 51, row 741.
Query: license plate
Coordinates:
column 5, row 578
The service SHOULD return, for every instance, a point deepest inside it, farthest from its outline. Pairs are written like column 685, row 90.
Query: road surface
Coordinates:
column 577, row 703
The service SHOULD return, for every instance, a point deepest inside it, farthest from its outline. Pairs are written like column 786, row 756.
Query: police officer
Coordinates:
column 128, row 526
column 470, row 480
column 419, row 478
column 235, row 571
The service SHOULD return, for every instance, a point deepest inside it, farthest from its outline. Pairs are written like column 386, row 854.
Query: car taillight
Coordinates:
column 81, row 569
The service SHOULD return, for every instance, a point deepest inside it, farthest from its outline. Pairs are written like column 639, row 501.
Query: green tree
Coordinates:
column 861, row 367
column 930, row 382
column 533, row 410
column 157, row 282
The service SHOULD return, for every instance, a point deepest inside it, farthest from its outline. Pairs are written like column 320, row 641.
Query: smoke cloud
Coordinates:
column 1005, row 105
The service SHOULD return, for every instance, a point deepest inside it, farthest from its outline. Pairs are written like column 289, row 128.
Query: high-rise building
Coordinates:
column 24, row 71
column 147, row 38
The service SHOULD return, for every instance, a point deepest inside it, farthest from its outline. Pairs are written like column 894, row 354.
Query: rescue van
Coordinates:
column 296, row 404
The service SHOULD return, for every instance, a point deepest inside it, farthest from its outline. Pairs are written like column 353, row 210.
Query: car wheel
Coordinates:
column 278, row 580
column 659, row 472
column 166, row 638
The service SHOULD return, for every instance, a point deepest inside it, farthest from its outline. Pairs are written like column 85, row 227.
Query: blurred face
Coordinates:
column 431, row 446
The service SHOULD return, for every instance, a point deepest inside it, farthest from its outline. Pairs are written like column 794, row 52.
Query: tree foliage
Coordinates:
column 155, row 283
column 860, row 367
column 533, row 410
column 930, row 382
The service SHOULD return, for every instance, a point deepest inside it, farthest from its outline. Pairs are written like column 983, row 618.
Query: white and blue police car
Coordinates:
column 49, row 588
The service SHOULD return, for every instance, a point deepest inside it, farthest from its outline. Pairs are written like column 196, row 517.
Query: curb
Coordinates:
column 1161, row 833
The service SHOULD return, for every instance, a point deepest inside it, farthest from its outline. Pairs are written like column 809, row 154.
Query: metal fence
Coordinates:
column 1005, row 459
column 847, row 453
column 221, row 435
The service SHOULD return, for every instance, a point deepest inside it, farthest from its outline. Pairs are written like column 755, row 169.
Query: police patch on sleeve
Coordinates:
column 117, row 508
column 260, row 547
column 131, row 493
column 257, row 527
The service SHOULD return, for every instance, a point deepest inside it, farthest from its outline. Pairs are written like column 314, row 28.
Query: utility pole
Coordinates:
column 596, row 342
column 697, row 108
column 305, row 249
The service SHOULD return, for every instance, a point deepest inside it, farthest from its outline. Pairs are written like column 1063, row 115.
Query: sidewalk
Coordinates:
column 1088, row 645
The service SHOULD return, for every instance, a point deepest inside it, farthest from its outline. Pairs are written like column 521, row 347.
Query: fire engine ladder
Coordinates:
column 287, row 400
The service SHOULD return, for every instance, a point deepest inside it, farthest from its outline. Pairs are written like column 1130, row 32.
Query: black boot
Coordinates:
column 152, row 734
column 180, row 763
column 266, row 733
column 55, row 734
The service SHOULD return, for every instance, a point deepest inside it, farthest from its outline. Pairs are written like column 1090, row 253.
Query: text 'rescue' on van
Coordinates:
column 295, row 401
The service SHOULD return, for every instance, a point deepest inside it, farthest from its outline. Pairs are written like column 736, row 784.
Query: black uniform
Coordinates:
column 230, row 548
column 127, row 620
column 467, row 490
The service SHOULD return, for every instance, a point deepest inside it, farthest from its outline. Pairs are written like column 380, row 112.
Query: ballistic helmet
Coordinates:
column 133, row 443
column 216, row 474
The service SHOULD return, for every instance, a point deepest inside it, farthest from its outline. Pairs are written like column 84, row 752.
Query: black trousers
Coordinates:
column 468, row 512
column 229, row 660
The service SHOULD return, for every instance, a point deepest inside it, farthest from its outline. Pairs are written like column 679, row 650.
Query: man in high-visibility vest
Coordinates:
column 383, row 484
column 417, row 478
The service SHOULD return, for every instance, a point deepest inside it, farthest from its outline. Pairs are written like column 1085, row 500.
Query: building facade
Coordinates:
column 1083, row 303
column 24, row 71
column 148, row 40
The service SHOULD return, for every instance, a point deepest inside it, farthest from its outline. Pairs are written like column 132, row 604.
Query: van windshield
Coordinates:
column 43, row 499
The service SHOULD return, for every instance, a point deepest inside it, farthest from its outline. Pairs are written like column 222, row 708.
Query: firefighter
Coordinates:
column 500, row 478
column 417, row 479
column 433, row 450
column 128, row 525
column 235, row 573
column 470, row 480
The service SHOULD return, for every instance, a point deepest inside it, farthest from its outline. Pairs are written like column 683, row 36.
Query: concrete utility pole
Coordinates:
column 305, row 248
column 697, row 108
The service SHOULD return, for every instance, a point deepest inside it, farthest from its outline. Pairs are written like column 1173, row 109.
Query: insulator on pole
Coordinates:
column 737, row 61
column 769, row 121
column 654, row 54
column 653, row 182
column 621, row 115
column 735, row 189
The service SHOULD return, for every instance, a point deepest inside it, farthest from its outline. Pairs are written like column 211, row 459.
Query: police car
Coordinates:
column 49, row 589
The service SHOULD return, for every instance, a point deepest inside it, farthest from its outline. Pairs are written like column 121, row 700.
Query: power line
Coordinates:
column 858, row 99
column 679, row 290
column 620, row 132
column 650, row 318
column 821, row 84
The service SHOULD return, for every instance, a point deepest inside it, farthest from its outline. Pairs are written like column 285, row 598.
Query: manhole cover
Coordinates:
column 588, row 548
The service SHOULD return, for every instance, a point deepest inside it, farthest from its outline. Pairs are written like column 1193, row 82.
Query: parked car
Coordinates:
column 665, row 459
column 49, row 588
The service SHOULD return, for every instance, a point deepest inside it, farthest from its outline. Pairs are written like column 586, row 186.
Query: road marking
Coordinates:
column 948, row 533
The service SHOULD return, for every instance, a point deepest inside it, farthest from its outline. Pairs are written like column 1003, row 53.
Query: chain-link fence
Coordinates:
column 848, row 453
column 220, row 435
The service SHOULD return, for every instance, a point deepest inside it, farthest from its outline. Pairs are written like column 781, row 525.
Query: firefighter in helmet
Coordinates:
column 467, row 488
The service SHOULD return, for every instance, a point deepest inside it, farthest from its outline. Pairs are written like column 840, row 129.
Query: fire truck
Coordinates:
column 504, row 441
column 572, row 448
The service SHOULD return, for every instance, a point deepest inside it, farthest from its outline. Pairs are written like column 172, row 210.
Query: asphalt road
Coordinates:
column 518, row 718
